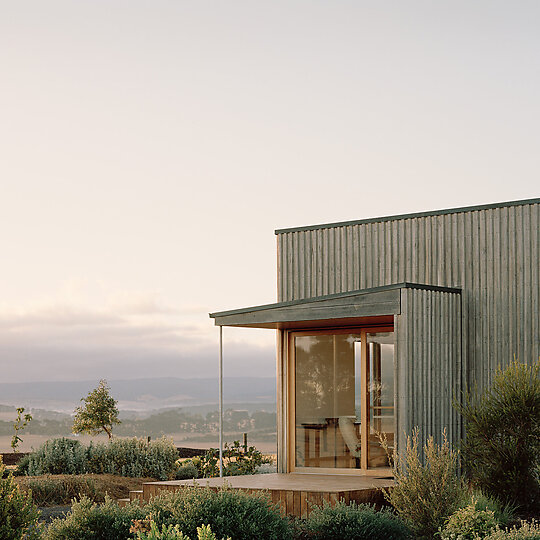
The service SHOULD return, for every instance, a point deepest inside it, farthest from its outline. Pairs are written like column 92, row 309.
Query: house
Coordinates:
column 382, row 323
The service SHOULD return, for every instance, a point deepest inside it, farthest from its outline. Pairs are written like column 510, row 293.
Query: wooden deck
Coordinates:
column 294, row 492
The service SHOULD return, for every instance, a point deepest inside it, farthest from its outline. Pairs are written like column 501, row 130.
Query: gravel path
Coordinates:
column 50, row 512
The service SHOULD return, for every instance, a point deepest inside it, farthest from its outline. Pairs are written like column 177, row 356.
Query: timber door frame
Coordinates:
column 290, row 395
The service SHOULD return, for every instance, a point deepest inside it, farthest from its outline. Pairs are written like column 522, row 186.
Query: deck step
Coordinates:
column 122, row 502
column 136, row 495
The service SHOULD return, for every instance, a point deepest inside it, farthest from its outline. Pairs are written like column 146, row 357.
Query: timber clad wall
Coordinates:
column 492, row 253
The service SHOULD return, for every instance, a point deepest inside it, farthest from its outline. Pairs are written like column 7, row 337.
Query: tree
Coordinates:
column 99, row 413
column 502, row 448
column 19, row 424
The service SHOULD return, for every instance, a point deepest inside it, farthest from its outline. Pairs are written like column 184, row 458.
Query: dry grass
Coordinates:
column 56, row 490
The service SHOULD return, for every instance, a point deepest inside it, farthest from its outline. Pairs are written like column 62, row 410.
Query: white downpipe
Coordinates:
column 221, row 401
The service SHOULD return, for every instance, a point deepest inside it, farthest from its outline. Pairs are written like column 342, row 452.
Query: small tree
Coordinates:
column 19, row 424
column 99, row 413
column 502, row 448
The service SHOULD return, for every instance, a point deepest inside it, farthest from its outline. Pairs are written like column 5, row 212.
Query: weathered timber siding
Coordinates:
column 492, row 254
column 429, row 370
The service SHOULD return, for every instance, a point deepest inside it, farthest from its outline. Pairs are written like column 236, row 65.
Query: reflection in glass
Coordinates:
column 328, row 399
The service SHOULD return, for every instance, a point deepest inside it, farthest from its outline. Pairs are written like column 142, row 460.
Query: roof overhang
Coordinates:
column 346, row 309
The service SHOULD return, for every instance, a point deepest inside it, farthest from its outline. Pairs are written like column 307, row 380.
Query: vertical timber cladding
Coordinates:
column 490, row 252
column 429, row 370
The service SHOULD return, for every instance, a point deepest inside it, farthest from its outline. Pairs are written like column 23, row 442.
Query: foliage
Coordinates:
column 90, row 521
column 99, row 413
column 228, row 512
column 502, row 449
column 186, row 470
column 526, row 531
column 148, row 530
column 504, row 513
column 424, row 495
column 59, row 490
column 122, row 457
column 56, row 456
column 236, row 461
column 18, row 516
column 468, row 523
column 354, row 522
column 20, row 423
column 134, row 457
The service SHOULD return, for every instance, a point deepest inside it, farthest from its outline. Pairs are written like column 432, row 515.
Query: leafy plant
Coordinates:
column 152, row 532
column 186, row 470
column 123, row 457
column 502, row 449
column 425, row 494
column 525, row 531
column 236, row 461
column 354, row 522
column 228, row 512
column 18, row 516
column 504, row 513
column 90, row 521
column 100, row 412
column 468, row 523
column 20, row 423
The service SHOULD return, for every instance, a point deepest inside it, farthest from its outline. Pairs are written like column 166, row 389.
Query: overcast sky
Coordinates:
column 148, row 150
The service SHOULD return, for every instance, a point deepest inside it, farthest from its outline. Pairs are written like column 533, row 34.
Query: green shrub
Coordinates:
column 468, row 523
column 354, row 522
column 424, row 495
column 18, row 516
column 90, row 521
column 229, row 513
column 502, row 449
column 173, row 533
column 504, row 513
column 526, row 531
column 186, row 470
column 57, row 456
column 123, row 457
column 236, row 461
column 134, row 457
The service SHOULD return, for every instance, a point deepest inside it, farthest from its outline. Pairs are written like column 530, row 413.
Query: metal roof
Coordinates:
column 374, row 302
column 409, row 216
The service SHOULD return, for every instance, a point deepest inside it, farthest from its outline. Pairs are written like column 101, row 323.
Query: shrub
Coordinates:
column 123, row 457
column 502, row 449
column 526, row 531
column 152, row 532
column 57, row 456
column 135, row 457
column 424, row 495
column 468, row 523
column 90, row 521
column 504, row 513
column 18, row 516
column 227, row 512
column 354, row 522
column 186, row 470
column 236, row 461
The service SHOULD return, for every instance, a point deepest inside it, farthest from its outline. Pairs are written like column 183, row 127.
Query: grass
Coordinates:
column 59, row 489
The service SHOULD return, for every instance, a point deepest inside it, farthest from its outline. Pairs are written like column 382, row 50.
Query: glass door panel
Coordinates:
column 340, row 380
column 380, row 359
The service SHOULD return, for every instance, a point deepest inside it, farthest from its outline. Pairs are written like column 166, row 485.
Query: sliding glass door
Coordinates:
column 341, row 404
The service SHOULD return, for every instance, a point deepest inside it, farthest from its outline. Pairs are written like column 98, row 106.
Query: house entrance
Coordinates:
column 341, row 399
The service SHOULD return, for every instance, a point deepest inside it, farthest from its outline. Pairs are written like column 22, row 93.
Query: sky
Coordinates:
column 148, row 151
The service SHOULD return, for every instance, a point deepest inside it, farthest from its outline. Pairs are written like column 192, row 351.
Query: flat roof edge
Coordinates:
column 409, row 216
column 403, row 285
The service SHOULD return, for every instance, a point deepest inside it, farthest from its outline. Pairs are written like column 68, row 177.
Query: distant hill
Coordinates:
column 143, row 394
